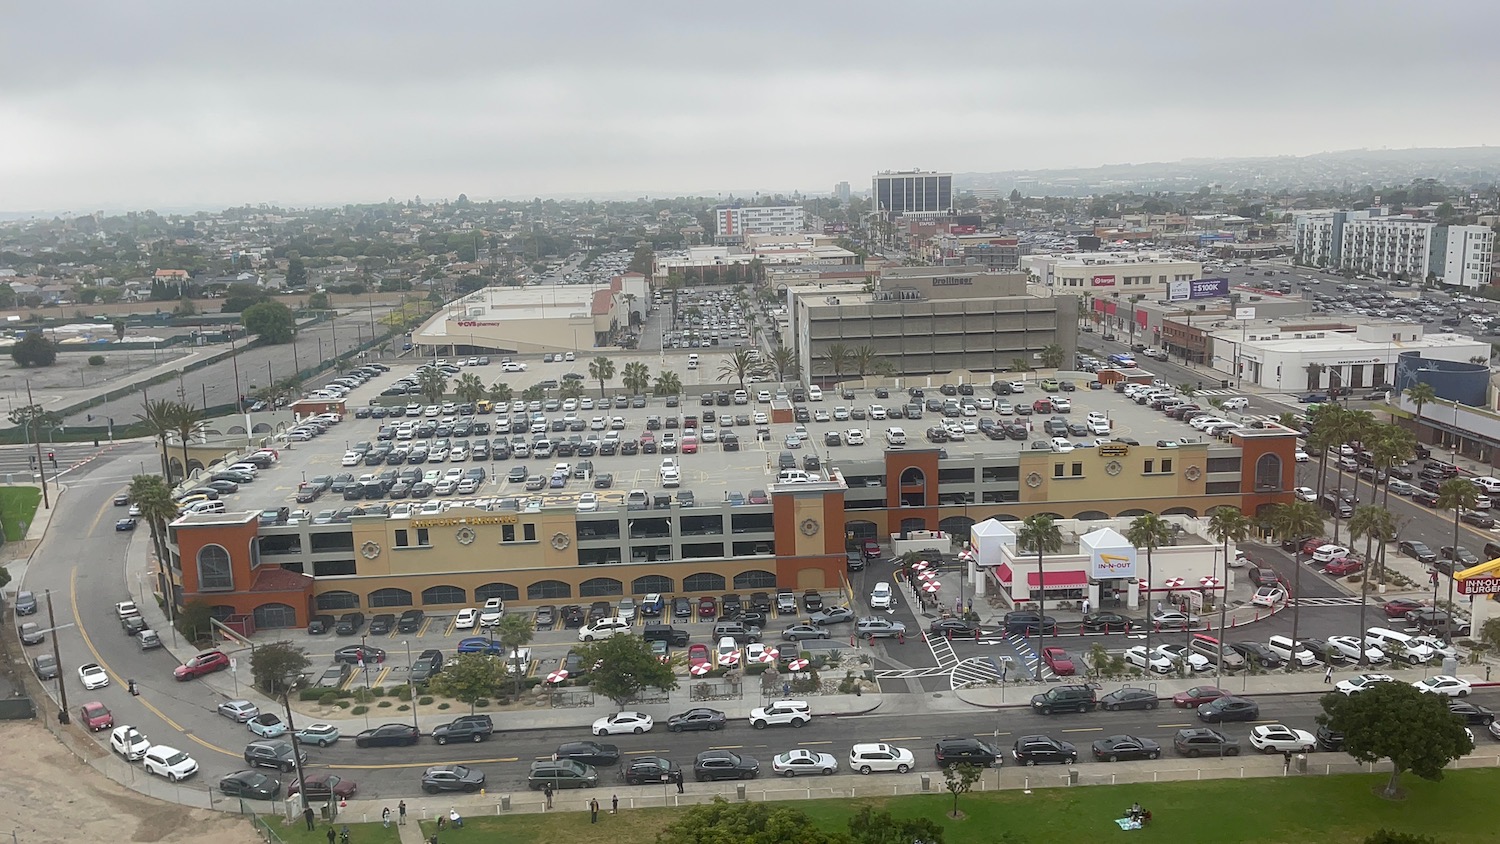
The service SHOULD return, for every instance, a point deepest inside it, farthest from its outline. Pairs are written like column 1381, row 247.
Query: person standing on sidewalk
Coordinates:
column 1085, row 606
column 385, row 817
column 307, row 815
column 547, row 792
column 401, row 807
column 1328, row 675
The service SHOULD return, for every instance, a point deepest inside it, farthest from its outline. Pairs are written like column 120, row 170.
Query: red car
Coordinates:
column 1058, row 660
column 319, row 786
column 1399, row 607
column 1312, row 545
column 707, row 607
column 96, row 716
column 205, row 663
column 1339, row 568
column 872, row 549
column 697, row 652
column 1197, row 695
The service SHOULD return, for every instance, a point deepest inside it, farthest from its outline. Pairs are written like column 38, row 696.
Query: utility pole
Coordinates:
column 62, row 685
column 41, row 468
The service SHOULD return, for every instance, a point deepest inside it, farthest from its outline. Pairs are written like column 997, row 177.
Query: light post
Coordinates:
column 364, row 664
column 411, row 689
column 286, row 700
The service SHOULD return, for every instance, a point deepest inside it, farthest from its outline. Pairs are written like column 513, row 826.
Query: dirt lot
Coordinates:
column 52, row 798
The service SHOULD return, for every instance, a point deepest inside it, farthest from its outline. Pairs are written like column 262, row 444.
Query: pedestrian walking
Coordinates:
column 385, row 817
column 1085, row 606
column 1286, row 764
column 307, row 815
column 402, row 809
column 1328, row 674
column 547, row 792
column 614, row 804
column 331, row 835
column 594, row 810
column 679, row 785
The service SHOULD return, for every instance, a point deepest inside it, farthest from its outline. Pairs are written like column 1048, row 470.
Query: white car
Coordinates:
column 169, row 762
column 512, row 366
column 1268, row 596
column 1444, row 684
column 881, row 597
column 763, row 397
column 603, row 629
column 1239, row 403
column 1437, row 646
column 1349, row 647
column 467, row 618
column 1329, row 553
column 1305, row 493
column 1279, row 738
column 1301, row 456
column 1201, row 422
column 1355, row 685
column 1400, row 487
column 92, row 676
column 1098, row 426
column 782, row 712
column 351, row 458
column 794, row 762
column 814, row 393
column 1157, row 662
column 1179, row 654
column 854, row 436
column 623, row 722
column 129, row 742
column 868, row 758
column 588, row 502
column 494, row 609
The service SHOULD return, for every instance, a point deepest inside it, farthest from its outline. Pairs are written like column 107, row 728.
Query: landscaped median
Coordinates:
column 1330, row 810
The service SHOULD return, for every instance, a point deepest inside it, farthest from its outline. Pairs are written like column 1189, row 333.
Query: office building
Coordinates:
column 906, row 192
column 731, row 225
column 1308, row 356
column 841, row 192
column 1111, row 275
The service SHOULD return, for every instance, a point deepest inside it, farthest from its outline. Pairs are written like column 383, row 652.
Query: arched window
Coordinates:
column 503, row 591
column 338, row 600
column 958, row 526
column 594, row 587
column 272, row 616
column 755, row 579
column 544, row 589
column 443, row 595
column 1092, row 515
column 214, row 572
column 912, row 476
column 703, row 582
column 651, row 583
column 390, row 598
column 1268, row 473
column 222, row 612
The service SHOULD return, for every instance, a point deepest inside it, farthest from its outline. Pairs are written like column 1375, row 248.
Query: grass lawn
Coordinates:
column 18, row 504
column 1326, row 810
column 359, row 833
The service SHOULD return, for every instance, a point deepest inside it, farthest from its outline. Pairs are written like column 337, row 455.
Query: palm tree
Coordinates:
column 1421, row 393
column 500, row 392
column 1052, row 356
column 158, row 421
column 514, row 633
column 636, row 377
column 1292, row 521
column 1019, row 365
column 1372, row 523
column 737, row 366
column 1040, row 534
column 784, row 363
column 1150, row 532
column 667, row 384
column 1323, row 423
column 469, row 388
column 1458, row 495
column 1361, row 429
column 1227, row 524
column 571, row 389
column 837, row 359
column 864, row 359
column 602, row 369
column 533, row 393
column 185, row 422
column 432, row 384
column 1391, row 444
column 152, row 494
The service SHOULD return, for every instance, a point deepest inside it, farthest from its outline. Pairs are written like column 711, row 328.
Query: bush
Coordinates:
column 442, row 706
column 403, row 692
column 403, row 708
column 328, row 698
column 484, row 701
column 364, row 695
column 532, row 682
column 359, row 710
column 757, row 669
column 425, row 700
column 96, row 360
column 377, row 691
column 383, row 704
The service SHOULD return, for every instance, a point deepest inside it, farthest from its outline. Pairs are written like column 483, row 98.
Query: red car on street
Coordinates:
column 1339, row 568
column 1197, row 695
column 96, row 716
column 1399, row 607
column 205, row 663
column 323, row 787
column 1058, row 660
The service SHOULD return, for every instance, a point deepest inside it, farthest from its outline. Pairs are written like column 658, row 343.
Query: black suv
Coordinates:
column 1066, row 698
column 590, row 753
column 428, row 663
column 464, row 728
column 349, row 623
column 724, row 765
column 646, row 770
column 1043, row 750
column 1027, row 623
column 410, row 621
column 965, row 751
column 272, row 754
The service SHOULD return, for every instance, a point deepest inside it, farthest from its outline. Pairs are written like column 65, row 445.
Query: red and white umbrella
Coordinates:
column 927, row 575
column 920, row 565
column 1143, row 583
column 700, row 669
column 1175, row 583
column 931, row 586
column 768, row 655
column 598, row 664
column 1209, row 582
column 558, row 676
column 731, row 658
column 797, row 664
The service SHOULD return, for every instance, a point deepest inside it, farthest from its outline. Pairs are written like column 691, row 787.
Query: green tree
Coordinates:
column 1456, row 494
column 865, row 359
column 1397, row 721
column 33, row 350
column 154, row 497
column 602, row 369
column 722, row 822
column 515, row 632
column 570, row 389
column 193, row 621
column 960, row 779
column 185, row 308
column 119, row 327
column 737, row 367
column 1421, row 394
column 636, row 377
column 469, row 388
column 35, row 420
column 1052, row 356
column 500, row 392
column 1019, row 365
column 468, row 677
column 4, row 577
column 1039, row 534
column 186, row 421
column 272, row 322
column 1489, row 633
column 432, row 384
column 318, row 301
column 296, row 272
column 158, row 422
column 271, row 664
column 533, row 393
column 1371, row 523
column 626, row 665
column 837, row 359
column 1391, row 445
column 667, row 384
column 241, row 296
column 1385, row 836
column 1149, row 532
column 784, row 363
column 1294, row 521
column 871, row 827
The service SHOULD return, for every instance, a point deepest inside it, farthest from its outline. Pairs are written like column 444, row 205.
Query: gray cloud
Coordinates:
column 166, row 103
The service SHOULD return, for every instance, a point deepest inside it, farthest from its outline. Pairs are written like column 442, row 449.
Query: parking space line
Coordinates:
column 1083, row 730
column 426, row 623
column 380, row 678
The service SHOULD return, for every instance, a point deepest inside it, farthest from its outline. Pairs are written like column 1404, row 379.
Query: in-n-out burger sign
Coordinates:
column 1484, row 584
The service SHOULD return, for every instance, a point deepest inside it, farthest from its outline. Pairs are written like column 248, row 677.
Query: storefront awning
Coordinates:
column 1059, row 579
column 1002, row 573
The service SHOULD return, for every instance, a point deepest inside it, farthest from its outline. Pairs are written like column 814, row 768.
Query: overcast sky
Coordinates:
column 161, row 104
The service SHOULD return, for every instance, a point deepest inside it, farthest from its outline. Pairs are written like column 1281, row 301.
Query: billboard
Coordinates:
column 1244, row 313
column 1104, row 281
column 1482, row 585
column 1203, row 288
column 1118, row 561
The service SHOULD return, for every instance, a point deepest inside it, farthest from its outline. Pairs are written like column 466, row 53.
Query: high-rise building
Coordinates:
column 732, row 224
column 897, row 193
column 841, row 192
column 1395, row 247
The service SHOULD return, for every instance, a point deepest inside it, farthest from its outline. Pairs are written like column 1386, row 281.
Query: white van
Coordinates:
column 1282, row 647
column 1398, row 645
column 1488, row 485
column 692, row 361
column 199, row 507
column 895, row 437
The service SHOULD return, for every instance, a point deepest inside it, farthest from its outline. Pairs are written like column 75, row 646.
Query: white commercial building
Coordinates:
column 525, row 320
column 1312, row 357
column 1101, row 274
column 732, row 224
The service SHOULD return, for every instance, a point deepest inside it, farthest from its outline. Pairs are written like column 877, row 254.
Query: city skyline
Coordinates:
column 171, row 105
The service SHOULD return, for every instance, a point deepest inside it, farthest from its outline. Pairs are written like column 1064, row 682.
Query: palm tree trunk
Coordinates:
column 1149, row 624
column 1041, row 604
column 1296, row 594
column 165, row 469
column 1364, row 601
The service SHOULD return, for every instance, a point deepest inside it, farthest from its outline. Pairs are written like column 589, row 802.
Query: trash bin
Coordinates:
column 1223, row 385
column 505, row 802
column 327, row 811
column 927, row 782
column 739, row 791
column 1072, row 776
column 1301, row 763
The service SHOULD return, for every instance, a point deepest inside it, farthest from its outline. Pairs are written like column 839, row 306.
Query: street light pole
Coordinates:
column 291, row 729
column 62, row 687
column 411, row 689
